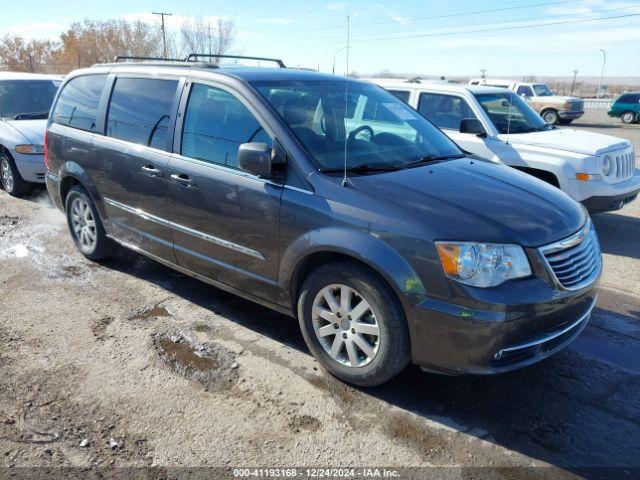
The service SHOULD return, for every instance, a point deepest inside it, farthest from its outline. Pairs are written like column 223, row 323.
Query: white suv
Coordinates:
column 495, row 123
column 25, row 100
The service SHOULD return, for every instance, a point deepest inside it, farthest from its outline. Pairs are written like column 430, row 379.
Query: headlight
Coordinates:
column 607, row 165
column 30, row 149
column 482, row 264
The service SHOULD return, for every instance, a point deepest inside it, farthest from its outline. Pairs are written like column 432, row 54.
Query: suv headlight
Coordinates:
column 483, row 264
column 607, row 165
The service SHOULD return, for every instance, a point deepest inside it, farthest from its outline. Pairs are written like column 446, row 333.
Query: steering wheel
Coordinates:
column 362, row 128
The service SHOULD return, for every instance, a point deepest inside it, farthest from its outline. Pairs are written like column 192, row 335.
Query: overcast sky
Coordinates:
column 398, row 36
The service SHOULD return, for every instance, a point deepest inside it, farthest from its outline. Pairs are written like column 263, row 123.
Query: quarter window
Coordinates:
column 215, row 125
column 140, row 111
column 77, row 105
column 444, row 111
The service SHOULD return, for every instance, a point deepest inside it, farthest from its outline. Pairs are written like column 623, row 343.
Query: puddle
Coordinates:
column 157, row 311
column 210, row 364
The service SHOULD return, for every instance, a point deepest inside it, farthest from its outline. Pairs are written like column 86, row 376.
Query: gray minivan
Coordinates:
column 390, row 245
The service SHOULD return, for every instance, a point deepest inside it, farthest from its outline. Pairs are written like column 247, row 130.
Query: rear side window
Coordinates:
column 401, row 94
column 629, row 98
column 140, row 111
column 444, row 111
column 215, row 125
column 78, row 102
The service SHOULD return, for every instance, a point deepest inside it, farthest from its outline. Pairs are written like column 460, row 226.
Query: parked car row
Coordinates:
column 333, row 201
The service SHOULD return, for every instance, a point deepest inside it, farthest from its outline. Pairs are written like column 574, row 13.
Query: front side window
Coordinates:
column 27, row 99
column 390, row 134
column 140, row 111
column 401, row 94
column 524, row 90
column 445, row 111
column 77, row 105
column 215, row 125
column 510, row 114
column 542, row 90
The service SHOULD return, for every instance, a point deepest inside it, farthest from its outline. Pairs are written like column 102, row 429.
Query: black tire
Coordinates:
column 550, row 116
column 100, row 248
column 628, row 117
column 394, row 351
column 565, row 121
column 10, row 177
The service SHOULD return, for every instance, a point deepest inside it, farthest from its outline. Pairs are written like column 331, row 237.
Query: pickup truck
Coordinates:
column 553, row 108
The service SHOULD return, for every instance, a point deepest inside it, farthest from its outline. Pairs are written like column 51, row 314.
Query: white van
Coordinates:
column 495, row 123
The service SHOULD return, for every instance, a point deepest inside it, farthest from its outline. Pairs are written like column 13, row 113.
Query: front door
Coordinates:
column 134, row 157
column 224, row 221
column 446, row 112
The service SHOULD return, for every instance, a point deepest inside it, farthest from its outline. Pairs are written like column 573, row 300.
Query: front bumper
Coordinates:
column 568, row 114
column 31, row 167
column 602, row 195
column 499, row 329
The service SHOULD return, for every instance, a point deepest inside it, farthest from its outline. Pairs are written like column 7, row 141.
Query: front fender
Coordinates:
column 366, row 248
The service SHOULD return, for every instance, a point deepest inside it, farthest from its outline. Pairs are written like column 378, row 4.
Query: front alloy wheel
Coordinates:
column 345, row 325
column 7, row 174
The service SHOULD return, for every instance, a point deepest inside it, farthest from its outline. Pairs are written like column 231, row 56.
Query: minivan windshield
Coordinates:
column 382, row 132
column 510, row 114
column 26, row 99
column 542, row 90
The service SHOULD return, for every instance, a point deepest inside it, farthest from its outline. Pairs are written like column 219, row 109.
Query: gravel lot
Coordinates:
column 98, row 368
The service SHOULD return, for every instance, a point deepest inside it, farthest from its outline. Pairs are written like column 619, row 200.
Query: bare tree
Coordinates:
column 199, row 36
column 33, row 56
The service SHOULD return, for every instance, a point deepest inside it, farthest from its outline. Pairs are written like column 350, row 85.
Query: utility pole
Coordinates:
column 209, row 30
column 164, row 35
column 573, row 82
column 604, row 59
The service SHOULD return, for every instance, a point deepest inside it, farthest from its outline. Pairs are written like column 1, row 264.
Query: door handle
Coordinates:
column 182, row 179
column 152, row 171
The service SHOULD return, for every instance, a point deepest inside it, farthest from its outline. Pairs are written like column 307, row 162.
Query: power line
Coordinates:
column 448, row 15
column 368, row 36
column 517, row 27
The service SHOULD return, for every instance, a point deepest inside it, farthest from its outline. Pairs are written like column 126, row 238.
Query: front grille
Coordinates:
column 576, row 106
column 576, row 261
column 625, row 164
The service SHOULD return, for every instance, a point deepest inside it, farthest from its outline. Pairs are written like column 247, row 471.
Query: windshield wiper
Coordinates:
column 431, row 159
column 31, row 116
column 363, row 168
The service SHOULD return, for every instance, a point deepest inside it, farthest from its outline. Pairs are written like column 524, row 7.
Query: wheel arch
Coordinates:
column 338, row 244
column 71, row 174
column 545, row 175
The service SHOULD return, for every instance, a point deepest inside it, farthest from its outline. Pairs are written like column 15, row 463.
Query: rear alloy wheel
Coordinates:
column 85, row 225
column 550, row 116
column 628, row 117
column 354, row 324
column 10, row 177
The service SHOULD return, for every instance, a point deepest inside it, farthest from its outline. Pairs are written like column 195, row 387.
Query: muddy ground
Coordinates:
column 129, row 364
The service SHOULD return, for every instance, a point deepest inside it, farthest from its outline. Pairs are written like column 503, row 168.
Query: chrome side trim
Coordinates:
column 189, row 231
column 550, row 336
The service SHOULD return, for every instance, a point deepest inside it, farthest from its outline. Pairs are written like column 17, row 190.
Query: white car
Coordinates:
column 495, row 123
column 25, row 100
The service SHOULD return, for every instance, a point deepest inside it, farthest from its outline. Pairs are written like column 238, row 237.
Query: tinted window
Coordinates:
column 77, row 105
column 445, row 111
column 26, row 97
column 215, row 125
column 401, row 94
column 629, row 98
column 140, row 111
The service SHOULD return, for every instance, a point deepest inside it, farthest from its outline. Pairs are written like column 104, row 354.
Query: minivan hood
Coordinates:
column 31, row 130
column 567, row 140
column 476, row 200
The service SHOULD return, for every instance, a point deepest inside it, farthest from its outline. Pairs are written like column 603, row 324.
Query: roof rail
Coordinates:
column 193, row 56
column 120, row 58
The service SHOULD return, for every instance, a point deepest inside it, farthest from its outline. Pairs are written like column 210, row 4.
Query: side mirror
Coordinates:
column 256, row 158
column 473, row 126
